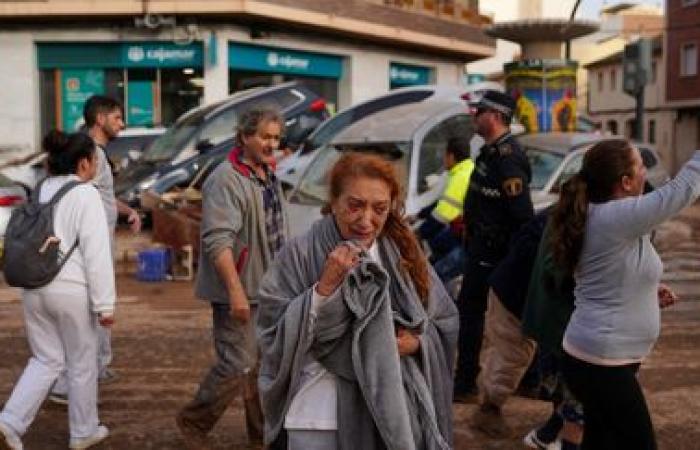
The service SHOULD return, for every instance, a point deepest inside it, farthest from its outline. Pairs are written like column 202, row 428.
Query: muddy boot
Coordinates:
column 197, row 419
column 489, row 420
column 193, row 437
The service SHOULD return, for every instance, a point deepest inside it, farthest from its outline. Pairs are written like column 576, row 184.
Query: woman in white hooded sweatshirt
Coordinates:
column 62, row 317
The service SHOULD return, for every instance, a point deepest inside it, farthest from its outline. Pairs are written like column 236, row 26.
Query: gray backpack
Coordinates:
column 32, row 257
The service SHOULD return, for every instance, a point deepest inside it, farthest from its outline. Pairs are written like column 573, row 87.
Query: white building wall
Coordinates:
column 215, row 75
column 19, row 94
column 366, row 74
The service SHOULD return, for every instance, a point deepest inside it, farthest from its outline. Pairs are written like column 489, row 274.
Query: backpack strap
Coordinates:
column 63, row 191
column 56, row 197
column 36, row 193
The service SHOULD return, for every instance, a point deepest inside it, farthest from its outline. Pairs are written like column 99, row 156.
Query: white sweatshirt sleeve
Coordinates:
column 636, row 216
column 94, row 243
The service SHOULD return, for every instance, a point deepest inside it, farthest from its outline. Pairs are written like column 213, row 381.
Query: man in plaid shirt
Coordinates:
column 243, row 227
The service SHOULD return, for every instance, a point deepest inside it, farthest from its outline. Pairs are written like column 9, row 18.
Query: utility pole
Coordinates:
column 636, row 68
column 567, row 52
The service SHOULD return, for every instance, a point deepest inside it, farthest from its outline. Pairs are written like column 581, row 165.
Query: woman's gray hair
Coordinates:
column 250, row 121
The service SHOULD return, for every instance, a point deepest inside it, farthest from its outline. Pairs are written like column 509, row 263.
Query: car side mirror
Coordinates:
column 204, row 146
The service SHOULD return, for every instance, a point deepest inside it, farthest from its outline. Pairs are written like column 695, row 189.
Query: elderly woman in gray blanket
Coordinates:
column 356, row 331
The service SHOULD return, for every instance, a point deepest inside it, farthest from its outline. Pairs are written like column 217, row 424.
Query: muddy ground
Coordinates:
column 162, row 348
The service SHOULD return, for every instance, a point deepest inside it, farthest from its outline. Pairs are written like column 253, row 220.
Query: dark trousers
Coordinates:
column 472, row 310
column 613, row 403
column 235, row 373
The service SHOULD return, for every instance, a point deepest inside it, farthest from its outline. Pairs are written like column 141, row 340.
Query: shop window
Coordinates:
column 689, row 60
column 180, row 91
column 433, row 147
column 58, row 110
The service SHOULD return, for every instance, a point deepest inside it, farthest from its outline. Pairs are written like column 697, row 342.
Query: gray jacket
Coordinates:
column 233, row 216
column 384, row 401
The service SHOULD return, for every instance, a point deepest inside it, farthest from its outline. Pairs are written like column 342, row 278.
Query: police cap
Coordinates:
column 495, row 100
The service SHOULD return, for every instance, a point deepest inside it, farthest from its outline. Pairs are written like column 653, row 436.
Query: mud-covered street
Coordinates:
column 162, row 347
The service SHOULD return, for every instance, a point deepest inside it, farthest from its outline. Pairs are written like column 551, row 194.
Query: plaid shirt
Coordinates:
column 274, row 221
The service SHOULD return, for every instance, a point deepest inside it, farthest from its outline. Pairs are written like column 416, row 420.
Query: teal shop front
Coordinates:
column 403, row 75
column 156, row 81
column 256, row 65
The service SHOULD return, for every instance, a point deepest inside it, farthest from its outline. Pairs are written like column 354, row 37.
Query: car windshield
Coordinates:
column 313, row 187
column 168, row 145
column 543, row 164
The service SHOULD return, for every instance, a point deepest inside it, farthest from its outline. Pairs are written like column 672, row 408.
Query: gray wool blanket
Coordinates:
column 384, row 401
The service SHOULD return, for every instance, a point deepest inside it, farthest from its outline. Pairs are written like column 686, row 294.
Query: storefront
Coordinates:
column 254, row 65
column 156, row 81
column 403, row 75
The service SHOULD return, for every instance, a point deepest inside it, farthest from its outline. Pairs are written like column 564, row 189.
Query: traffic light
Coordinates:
column 636, row 66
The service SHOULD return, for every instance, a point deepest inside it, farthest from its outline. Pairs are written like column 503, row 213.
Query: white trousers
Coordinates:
column 104, row 359
column 104, row 347
column 62, row 334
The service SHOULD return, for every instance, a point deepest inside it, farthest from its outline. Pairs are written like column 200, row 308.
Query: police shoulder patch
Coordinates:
column 505, row 149
column 513, row 186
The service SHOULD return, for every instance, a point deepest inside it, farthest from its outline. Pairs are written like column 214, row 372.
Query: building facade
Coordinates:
column 614, row 110
column 619, row 25
column 163, row 58
column 683, row 75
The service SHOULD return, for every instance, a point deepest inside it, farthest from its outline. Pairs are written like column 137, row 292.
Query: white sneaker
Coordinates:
column 99, row 436
column 9, row 440
column 532, row 441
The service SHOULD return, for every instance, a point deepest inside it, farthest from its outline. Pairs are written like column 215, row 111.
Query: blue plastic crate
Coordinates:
column 154, row 264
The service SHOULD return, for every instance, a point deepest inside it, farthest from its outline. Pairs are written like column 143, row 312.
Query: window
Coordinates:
column 652, row 132
column 600, row 81
column 613, row 79
column 686, row 3
column 346, row 118
column 572, row 167
column 654, row 71
column 612, row 126
column 433, row 147
column 222, row 126
column 689, row 60
column 544, row 164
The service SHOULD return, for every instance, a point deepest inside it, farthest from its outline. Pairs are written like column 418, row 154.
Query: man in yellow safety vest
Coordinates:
column 441, row 227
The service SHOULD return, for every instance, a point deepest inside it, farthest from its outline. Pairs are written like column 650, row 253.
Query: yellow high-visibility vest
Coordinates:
column 451, row 204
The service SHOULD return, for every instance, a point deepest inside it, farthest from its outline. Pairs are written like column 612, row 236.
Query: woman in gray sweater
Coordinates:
column 601, row 230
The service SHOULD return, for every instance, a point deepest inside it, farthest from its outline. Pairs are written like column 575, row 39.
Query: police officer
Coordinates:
column 497, row 204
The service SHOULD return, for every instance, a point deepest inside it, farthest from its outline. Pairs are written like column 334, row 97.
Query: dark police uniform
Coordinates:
column 497, row 204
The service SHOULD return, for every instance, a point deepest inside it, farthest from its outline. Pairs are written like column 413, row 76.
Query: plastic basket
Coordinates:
column 153, row 264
